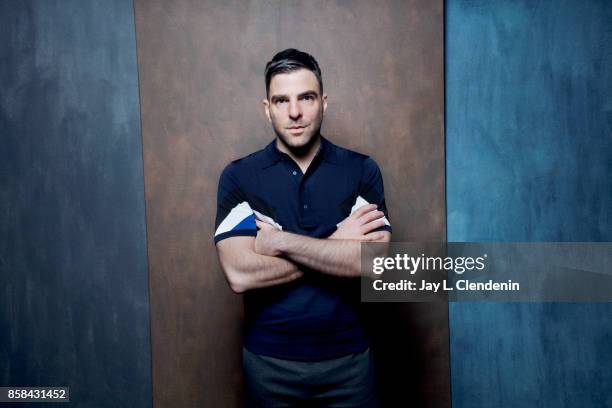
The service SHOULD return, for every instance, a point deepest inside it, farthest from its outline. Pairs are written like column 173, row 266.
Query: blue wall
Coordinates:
column 529, row 158
column 73, row 269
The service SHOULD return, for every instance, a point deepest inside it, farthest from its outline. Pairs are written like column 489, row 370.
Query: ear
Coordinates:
column 266, row 104
column 324, row 98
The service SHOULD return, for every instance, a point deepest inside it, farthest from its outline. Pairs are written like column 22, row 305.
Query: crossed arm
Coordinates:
column 246, row 269
column 274, row 256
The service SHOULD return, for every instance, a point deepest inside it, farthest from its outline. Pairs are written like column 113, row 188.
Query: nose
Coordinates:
column 295, row 112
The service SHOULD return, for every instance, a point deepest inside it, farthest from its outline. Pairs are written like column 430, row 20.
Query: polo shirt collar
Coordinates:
column 327, row 151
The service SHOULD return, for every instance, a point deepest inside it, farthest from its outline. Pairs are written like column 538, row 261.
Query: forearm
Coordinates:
column 250, row 270
column 333, row 257
column 339, row 255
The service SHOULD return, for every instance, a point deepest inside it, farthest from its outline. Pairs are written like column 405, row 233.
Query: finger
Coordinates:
column 362, row 210
column 372, row 225
column 294, row 276
column 262, row 225
column 371, row 216
column 373, row 236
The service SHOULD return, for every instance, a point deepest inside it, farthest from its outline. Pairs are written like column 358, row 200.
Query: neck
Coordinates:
column 303, row 156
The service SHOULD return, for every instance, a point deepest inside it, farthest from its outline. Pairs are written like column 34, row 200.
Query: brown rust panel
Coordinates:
column 201, row 82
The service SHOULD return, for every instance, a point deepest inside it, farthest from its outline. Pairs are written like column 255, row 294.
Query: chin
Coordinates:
column 297, row 141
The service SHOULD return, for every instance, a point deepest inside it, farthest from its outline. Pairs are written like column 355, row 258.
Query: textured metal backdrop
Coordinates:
column 201, row 75
column 74, row 307
column 529, row 158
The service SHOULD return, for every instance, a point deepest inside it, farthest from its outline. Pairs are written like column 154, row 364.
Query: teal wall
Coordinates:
column 74, row 305
column 529, row 158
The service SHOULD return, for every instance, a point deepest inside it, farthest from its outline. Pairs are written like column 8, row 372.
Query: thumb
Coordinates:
column 262, row 225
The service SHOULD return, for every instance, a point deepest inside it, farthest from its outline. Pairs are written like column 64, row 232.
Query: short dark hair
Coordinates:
column 290, row 60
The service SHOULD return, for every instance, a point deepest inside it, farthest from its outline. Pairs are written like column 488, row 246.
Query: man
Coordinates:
column 290, row 222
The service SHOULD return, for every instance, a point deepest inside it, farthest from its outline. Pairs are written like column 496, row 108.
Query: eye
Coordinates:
column 309, row 97
column 280, row 101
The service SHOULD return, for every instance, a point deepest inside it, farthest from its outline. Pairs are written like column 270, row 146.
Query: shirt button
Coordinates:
column 294, row 173
column 305, row 206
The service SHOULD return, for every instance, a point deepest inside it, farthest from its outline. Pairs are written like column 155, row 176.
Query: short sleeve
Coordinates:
column 371, row 191
column 235, row 216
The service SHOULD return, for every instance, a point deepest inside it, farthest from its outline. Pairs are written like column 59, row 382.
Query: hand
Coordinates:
column 359, row 225
column 268, row 239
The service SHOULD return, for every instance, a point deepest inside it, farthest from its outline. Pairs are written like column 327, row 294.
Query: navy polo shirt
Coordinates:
column 317, row 316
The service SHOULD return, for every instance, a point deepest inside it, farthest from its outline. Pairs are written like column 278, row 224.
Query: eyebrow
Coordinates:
column 308, row 93
column 275, row 98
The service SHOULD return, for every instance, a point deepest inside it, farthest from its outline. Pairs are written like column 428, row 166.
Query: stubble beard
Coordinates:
column 304, row 149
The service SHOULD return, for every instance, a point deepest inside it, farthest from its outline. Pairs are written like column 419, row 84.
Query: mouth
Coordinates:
column 296, row 129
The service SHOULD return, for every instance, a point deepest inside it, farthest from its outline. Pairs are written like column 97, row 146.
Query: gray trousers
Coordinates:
column 347, row 381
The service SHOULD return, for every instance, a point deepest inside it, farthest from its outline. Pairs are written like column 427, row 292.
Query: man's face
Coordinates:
column 295, row 107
